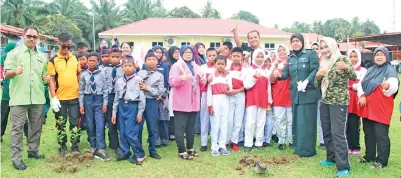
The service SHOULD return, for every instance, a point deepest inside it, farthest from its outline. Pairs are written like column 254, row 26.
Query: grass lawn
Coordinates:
column 203, row 166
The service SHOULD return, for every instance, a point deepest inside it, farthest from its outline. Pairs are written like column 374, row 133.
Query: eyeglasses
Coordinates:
column 66, row 46
column 32, row 37
column 187, row 52
column 157, row 52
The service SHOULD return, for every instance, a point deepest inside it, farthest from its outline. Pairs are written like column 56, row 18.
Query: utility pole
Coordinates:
column 393, row 15
column 93, row 29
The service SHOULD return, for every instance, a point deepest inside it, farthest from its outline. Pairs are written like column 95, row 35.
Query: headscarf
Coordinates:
column 358, row 53
column 377, row 73
column 103, row 39
column 171, row 53
column 156, row 47
column 189, row 63
column 281, row 62
column 328, row 63
column 199, row 58
column 10, row 46
column 256, row 53
column 301, row 38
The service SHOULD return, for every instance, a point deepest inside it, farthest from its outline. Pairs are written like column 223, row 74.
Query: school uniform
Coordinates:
column 113, row 73
column 218, row 99
column 258, row 98
column 353, row 120
column 93, row 94
column 237, row 104
column 155, row 88
column 128, row 104
column 207, row 70
column 282, row 108
column 379, row 108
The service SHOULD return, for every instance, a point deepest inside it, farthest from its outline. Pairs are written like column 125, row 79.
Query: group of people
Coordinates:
column 240, row 96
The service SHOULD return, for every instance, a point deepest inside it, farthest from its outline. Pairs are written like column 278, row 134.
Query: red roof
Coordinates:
column 192, row 27
column 8, row 29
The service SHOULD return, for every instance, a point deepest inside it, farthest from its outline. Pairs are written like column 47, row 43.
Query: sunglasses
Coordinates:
column 32, row 37
column 66, row 47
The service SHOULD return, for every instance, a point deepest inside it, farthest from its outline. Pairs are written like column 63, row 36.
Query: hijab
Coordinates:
column 328, row 63
column 156, row 47
column 358, row 53
column 377, row 73
column 256, row 53
column 200, row 59
column 189, row 63
column 301, row 38
column 279, row 61
column 170, row 54
column 10, row 46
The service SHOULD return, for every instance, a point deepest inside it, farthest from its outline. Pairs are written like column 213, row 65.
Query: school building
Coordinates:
column 180, row 31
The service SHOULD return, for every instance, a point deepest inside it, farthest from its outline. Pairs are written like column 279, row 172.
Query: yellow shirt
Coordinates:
column 66, row 70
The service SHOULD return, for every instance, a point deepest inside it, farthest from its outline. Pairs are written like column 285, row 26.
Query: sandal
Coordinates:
column 364, row 160
column 139, row 161
column 193, row 153
column 377, row 165
column 185, row 156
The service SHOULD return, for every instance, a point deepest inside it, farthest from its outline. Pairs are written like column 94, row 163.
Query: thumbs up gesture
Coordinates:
column 341, row 65
column 19, row 69
column 385, row 84
column 185, row 77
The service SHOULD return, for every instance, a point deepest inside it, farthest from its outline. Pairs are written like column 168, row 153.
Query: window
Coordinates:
column 269, row 45
column 157, row 43
column 185, row 43
column 215, row 45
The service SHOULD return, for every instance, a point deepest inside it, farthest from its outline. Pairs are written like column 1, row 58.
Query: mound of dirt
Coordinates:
column 249, row 161
column 71, row 162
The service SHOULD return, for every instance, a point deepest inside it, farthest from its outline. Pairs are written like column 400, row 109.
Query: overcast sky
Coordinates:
column 285, row 12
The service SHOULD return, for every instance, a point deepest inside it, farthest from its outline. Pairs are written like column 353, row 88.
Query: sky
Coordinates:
column 286, row 12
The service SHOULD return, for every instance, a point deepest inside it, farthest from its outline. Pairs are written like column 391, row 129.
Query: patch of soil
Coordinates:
column 249, row 161
column 71, row 163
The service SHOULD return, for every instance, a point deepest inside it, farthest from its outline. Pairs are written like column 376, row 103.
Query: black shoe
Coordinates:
column 291, row 145
column 203, row 148
column 281, row 146
column 172, row 137
column 62, row 150
column 241, row 144
column 118, row 151
column 274, row 138
column 101, row 155
column 133, row 160
column 248, row 149
column 155, row 155
column 265, row 144
column 121, row 157
column 259, row 147
column 74, row 148
column 35, row 155
column 19, row 165
column 322, row 146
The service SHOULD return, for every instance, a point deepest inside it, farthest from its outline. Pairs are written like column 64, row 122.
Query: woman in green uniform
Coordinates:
column 302, row 67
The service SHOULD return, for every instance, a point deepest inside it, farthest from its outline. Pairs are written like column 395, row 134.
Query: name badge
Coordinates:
column 160, row 69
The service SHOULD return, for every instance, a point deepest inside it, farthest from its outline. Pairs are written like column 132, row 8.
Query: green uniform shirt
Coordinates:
column 302, row 67
column 27, row 88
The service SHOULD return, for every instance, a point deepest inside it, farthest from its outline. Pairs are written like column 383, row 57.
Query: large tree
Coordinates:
column 209, row 12
column 106, row 14
column 183, row 12
column 299, row 27
column 21, row 13
column 136, row 10
column 245, row 15
column 56, row 24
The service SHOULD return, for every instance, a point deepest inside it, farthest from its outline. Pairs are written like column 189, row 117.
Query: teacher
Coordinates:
column 302, row 67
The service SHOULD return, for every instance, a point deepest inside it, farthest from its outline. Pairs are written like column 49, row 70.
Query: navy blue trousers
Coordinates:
column 113, row 134
column 151, row 116
column 94, row 120
column 130, row 130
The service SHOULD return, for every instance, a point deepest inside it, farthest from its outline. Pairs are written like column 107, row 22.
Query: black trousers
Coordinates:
column 376, row 139
column 353, row 131
column 171, row 128
column 184, row 123
column 112, row 134
column 5, row 112
column 334, row 120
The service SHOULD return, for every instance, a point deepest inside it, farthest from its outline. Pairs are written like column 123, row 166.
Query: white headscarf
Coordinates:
column 358, row 53
column 279, row 62
column 255, row 53
column 328, row 63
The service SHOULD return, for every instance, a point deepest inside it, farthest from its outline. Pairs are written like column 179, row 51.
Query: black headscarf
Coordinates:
column 200, row 57
column 170, row 53
column 376, row 74
column 301, row 38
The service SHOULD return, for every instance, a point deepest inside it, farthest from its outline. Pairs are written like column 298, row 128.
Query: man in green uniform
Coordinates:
column 26, row 68
column 302, row 67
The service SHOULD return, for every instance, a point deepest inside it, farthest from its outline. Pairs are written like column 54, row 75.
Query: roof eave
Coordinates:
column 215, row 35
